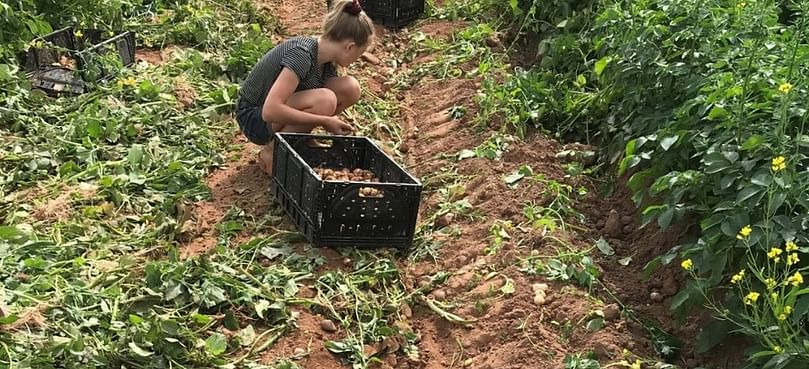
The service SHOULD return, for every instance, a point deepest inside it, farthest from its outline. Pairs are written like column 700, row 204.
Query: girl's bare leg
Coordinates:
column 338, row 94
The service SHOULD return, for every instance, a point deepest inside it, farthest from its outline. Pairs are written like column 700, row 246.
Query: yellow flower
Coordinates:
column 796, row 279
column 779, row 163
column 687, row 264
column 792, row 259
column 737, row 277
column 791, row 246
column 785, row 87
column 79, row 34
column 635, row 365
column 751, row 298
column 770, row 283
column 744, row 232
column 774, row 296
column 741, row 5
column 774, row 253
column 128, row 81
column 787, row 311
column 777, row 349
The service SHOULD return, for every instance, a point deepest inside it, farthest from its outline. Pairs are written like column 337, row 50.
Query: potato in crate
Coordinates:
column 344, row 191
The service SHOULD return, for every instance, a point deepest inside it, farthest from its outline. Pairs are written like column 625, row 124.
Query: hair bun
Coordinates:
column 353, row 8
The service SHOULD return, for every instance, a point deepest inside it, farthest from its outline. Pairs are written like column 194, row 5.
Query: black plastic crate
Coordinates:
column 61, row 62
column 335, row 213
column 391, row 13
column 55, row 45
column 122, row 46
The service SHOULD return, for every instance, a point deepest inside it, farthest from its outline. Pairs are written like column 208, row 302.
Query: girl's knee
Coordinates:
column 351, row 90
column 347, row 90
column 325, row 102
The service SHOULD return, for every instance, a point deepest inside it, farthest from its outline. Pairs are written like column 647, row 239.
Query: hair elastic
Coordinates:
column 354, row 8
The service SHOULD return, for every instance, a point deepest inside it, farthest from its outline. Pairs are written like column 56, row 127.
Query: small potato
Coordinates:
column 539, row 300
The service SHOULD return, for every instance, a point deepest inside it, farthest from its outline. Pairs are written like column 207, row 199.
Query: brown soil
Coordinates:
column 629, row 284
column 156, row 57
column 54, row 205
column 510, row 330
column 297, row 16
column 308, row 337
column 441, row 29
column 241, row 184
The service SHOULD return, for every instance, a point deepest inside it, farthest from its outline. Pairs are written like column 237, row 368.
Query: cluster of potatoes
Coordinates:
column 345, row 174
column 356, row 175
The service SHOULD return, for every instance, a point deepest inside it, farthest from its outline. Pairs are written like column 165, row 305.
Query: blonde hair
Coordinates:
column 347, row 21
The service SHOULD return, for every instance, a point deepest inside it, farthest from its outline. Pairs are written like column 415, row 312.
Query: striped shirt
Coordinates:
column 298, row 54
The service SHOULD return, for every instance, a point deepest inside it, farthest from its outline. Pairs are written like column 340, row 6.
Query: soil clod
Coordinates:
column 328, row 326
column 612, row 312
column 371, row 58
column 444, row 220
column 612, row 226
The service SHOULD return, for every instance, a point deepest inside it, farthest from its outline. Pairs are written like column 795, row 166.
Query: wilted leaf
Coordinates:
column 595, row 324
column 247, row 336
column 337, row 347
column 513, row 178
column 135, row 155
column 466, row 154
column 604, row 247
column 262, row 306
column 508, row 288
column 139, row 351
column 274, row 252
column 216, row 344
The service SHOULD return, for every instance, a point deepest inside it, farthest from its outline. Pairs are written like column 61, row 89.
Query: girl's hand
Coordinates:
column 337, row 126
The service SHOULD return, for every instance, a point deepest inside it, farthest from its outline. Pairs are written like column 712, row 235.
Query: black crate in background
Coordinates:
column 42, row 63
column 57, row 44
column 122, row 44
column 391, row 13
column 332, row 213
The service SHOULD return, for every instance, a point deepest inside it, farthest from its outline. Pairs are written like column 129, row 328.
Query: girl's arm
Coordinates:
column 276, row 110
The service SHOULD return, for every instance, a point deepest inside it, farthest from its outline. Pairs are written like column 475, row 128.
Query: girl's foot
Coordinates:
column 265, row 159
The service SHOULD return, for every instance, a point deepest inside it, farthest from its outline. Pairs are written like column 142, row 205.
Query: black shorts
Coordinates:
column 252, row 125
